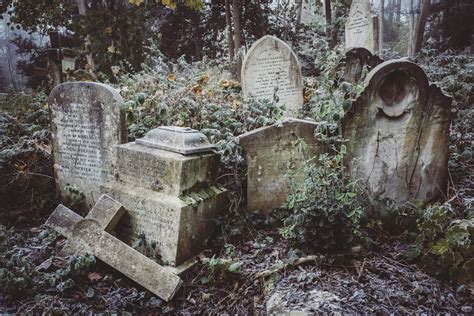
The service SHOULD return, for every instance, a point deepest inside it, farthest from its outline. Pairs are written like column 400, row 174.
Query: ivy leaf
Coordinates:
column 441, row 247
column 235, row 267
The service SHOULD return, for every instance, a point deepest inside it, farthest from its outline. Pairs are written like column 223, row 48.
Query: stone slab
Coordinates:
column 178, row 226
column 89, row 234
column 164, row 171
column 270, row 152
column 87, row 120
column 271, row 71
column 361, row 29
column 398, row 129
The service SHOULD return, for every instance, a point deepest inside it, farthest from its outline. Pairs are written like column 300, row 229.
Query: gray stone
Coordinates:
column 361, row 28
column 297, row 302
column 89, row 234
column 183, row 140
column 106, row 212
column 398, row 129
column 87, row 120
column 270, row 152
column 354, row 61
column 171, row 198
column 271, row 71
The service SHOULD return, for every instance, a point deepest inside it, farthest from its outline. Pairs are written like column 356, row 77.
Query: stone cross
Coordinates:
column 90, row 234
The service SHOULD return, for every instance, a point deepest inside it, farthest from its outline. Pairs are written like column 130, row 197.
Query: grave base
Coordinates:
column 172, row 228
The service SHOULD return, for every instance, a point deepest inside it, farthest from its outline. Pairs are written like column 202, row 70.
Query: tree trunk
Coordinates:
column 261, row 19
column 420, row 27
column 230, row 35
column 391, row 11
column 236, row 10
column 328, row 16
column 381, row 18
column 398, row 10
column 411, row 22
column 195, row 18
column 81, row 5
column 299, row 9
column 237, row 27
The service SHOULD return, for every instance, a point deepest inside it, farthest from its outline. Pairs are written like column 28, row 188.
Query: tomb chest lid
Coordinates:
column 182, row 140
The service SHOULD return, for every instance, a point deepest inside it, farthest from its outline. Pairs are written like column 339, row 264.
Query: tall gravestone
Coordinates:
column 399, row 130
column 361, row 27
column 271, row 71
column 87, row 120
column 270, row 152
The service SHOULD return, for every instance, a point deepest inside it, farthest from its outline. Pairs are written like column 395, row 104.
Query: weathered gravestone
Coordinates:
column 361, row 27
column 354, row 61
column 270, row 152
column 87, row 120
column 89, row 234
column 167, row 182
column 271, row 71
column 399, row 130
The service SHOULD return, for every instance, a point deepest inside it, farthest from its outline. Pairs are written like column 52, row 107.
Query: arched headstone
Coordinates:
column 399, row 130
column 87, row 120
column 271, row 71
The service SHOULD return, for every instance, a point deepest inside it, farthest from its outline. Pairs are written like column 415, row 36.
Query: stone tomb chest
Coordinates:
column 270, row 152
column 167, row 182
column 399, row 130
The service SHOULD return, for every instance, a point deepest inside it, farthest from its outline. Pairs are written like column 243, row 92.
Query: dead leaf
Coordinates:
column 203, row 79
column 94, row 276
column 197, row 89
column 171, row 77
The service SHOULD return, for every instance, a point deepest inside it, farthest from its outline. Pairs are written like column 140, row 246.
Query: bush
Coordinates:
column 325, row 210
column 444, row 245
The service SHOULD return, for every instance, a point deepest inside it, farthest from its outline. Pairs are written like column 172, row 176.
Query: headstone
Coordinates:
column 399, row 130
column 361, row 27
column 167, row 182
column 354, row 61
column 270, row 152
column 271, row 71
column 87, row 120
column 89, row 233
column 311, row 12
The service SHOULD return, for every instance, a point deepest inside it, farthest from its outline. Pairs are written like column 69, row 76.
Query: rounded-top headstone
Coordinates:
column 271, row 71
column 87, row 120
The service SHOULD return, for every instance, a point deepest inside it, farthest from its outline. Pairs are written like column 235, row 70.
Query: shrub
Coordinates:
column 325, row 210
column 444, row 245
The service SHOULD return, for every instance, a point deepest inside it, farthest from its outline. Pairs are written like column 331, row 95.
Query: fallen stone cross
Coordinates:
column 90, row 234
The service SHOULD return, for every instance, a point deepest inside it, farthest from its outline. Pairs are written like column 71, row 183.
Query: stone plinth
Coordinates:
column 270, row 152
column 171, row 198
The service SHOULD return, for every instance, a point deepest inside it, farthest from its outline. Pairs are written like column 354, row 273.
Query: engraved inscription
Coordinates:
column 79, row 144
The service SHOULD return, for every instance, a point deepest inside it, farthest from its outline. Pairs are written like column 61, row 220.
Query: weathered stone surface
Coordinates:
column 183, row 140
column 361, row 28
column 178, row 226
column 87, row 120
column 399, row 131
column 354, row 61
column 106, row 212
column 171, row 198
column 271, row 71
column 164, row 171
column 270, row 152
column 89, row 234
